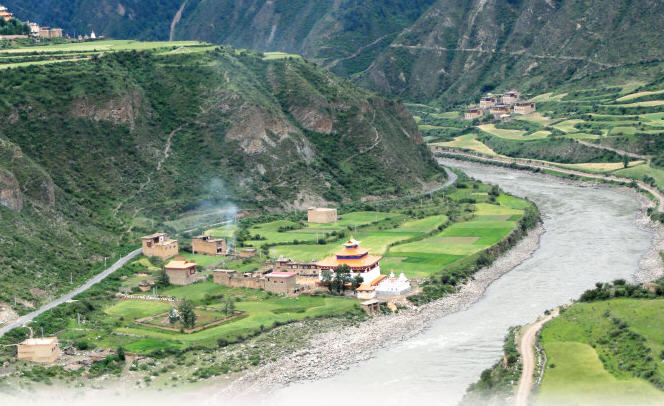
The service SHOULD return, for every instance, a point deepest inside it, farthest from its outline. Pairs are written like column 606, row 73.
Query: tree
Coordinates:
column 173, row 316
column 327, row 279
column 357, row 281
column 229, row 305
column 187, row 314
column 121, row 353
column 342, row 277
column 625, row 161
column 163, row 280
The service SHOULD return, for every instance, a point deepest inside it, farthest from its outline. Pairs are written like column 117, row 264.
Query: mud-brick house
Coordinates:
column 181, row 272
column 204, row 244
column 42, row 350
column 300, row 268
column 500, row 109
column 472, row 114
column 247, row 253
column 488, row 102
column 282, row 283
column 159, row 245
column 321, row 215
column 510, row 97
column 524, row 108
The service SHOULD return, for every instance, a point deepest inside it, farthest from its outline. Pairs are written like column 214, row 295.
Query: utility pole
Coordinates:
column 71, row 278
column 42, row 331
column 105, row 258
column 78, row 319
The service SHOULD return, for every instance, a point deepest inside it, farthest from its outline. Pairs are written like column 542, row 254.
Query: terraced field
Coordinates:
column 73, row 51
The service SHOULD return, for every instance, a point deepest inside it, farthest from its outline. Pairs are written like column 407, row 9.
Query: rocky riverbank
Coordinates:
column 334, row 351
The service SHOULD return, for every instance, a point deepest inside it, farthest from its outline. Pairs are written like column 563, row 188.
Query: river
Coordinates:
column 590, row 236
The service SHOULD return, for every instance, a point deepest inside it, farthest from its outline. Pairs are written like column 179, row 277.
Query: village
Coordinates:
column 359, row 271
column 224, row 286
column 501, row 107
column 39, row 32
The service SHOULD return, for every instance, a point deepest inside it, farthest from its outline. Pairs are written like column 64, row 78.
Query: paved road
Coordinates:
column 29, row 317
column 526, row 348
column 541, row 165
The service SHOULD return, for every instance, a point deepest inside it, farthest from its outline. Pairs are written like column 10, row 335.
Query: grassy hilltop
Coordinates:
column 100, row 145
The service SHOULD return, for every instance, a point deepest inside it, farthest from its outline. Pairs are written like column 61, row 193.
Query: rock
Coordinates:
column 10, row 191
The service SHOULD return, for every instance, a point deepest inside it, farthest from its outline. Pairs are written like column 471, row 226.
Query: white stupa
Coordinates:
column 393, row 286
column 93, row 35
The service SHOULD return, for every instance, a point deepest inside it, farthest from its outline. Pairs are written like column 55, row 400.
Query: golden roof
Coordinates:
column 353, row 263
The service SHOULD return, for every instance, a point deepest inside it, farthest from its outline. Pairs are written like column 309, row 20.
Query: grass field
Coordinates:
column 513, row 134
column 261, row 309
column 650, row 103
column 637, row 95
column 600, row 167
column 77, row 51
column 468, row 142
column 537, row 118
column 586, row 365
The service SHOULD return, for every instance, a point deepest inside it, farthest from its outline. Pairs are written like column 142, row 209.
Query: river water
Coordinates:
column 590, row 236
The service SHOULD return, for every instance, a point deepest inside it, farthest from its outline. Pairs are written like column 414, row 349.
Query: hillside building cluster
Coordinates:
column 500, row 106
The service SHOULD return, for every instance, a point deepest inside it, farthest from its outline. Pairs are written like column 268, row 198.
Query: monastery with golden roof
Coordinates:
column 358, row 259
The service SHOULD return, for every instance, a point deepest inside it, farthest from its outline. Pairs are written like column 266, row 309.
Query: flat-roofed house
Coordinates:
column 247, row 253
column 321, row 215
column 282, row 283
column 500, row 109
column 488, row 101
column 159, row 245
column 510, row 97
column 301, row 268
column 181, row 272
column 365, row 292
column 204, row 244
column 472, row 114
column 524, row 108
column 42, row 350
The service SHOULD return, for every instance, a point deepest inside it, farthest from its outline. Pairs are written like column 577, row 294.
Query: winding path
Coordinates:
column 452, row 153
column 527, row 350
column 98, row 278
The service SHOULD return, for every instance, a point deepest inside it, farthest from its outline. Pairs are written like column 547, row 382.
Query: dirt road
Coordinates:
column 527, row 350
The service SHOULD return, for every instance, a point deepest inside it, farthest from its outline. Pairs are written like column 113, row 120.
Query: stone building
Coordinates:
column 365, row 292
column 472, row 114
column 282, row 283
column 500, row 109
column 524, row 108
column 276, row 282
column 159, row 245
column 181, row 272
column 321, row 215
column 46, row 32
column 42, row 350
column 204, row 244
column 247, row 253
column 510, row 97
column 488, row 101
column 300, row 268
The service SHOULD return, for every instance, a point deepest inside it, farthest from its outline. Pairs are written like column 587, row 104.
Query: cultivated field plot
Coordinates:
column 258, row 309
column 420, row 259
column 76, row 51
column 284, row 231
column 467, row 142
column 513, row 134
column 592, row 347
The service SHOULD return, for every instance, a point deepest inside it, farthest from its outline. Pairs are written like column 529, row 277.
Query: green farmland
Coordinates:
column 594, row 351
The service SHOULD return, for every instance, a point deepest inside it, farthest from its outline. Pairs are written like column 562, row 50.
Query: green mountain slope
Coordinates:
column 425, row 50
column 96, row 152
